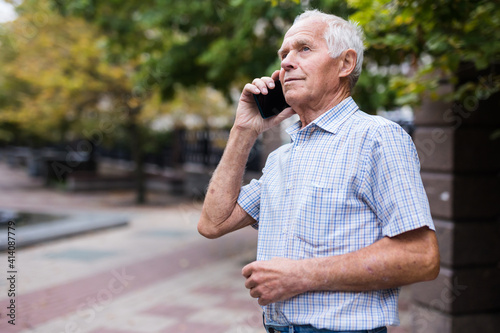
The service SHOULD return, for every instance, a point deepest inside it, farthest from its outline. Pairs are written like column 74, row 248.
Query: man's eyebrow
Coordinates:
column 281, row 51
column 295, row 44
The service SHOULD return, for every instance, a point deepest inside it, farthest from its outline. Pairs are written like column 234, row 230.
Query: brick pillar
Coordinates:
column 461, row 173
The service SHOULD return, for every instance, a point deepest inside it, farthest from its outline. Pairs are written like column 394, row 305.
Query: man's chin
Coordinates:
column 292, row 98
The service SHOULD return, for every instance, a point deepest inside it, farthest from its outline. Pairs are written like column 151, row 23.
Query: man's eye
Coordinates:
column 306, row 48
column 283, row 56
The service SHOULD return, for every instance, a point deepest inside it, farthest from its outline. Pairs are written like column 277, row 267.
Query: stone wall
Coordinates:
column 460, row 167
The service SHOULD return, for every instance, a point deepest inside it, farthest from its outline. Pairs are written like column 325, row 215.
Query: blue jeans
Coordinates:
column 310, row 329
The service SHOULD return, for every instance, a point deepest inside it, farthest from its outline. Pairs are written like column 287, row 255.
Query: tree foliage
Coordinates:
column 215, row 42
column 150, row 50
column 436, row 40
column 55, row 81
column 61, row 75
column 222, row 42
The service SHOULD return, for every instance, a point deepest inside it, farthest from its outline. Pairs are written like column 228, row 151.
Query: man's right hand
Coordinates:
column 247, row 114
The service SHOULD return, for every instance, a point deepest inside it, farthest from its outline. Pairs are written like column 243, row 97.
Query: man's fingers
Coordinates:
column 264, row 84
column 247, row 270
column 249, row 283
column 263, row 302
column 254, row 293
column 269, row 82
column 251, row 88
column 275, row 75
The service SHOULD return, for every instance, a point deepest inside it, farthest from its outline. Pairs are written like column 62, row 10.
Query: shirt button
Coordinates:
column 289, row 186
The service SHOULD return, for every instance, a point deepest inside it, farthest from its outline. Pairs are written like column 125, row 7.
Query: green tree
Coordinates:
column 223, row 43
column 55, row 76
column 59, row 84
column 219, row 42
column 62, row 78
column 435, row 41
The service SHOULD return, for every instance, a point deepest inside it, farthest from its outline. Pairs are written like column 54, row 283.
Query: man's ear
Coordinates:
column 349, row 59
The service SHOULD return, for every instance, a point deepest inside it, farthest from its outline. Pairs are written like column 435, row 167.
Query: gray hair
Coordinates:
column 340, row 36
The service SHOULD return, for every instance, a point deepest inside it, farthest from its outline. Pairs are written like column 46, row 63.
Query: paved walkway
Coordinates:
column 154, row 275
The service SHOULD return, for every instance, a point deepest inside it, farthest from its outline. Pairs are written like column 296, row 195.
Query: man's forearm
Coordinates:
column 221, row 213
column 388, row 263
column 224, row 188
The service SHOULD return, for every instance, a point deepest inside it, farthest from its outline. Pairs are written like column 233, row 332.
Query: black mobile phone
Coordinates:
column 273, row 103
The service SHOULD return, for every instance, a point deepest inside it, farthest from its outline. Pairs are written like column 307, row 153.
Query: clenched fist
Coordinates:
column 275, row 280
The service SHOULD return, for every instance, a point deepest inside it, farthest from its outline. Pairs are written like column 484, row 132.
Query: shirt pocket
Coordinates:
column 319, row 221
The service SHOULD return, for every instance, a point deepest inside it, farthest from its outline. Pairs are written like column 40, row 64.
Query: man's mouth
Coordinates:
column 291, row 79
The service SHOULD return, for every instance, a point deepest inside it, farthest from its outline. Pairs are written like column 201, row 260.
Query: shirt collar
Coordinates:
column 331, row 120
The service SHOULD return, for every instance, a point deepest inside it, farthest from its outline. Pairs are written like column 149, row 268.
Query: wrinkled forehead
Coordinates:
column 311, row 26
column 307, row 31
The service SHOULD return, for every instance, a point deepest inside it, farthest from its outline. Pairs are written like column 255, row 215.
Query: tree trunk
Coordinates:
column 137, row 150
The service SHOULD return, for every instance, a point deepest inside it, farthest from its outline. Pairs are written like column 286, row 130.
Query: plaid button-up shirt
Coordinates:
column 345, row 181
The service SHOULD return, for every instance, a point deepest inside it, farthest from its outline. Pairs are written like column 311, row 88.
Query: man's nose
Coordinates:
column 289, row 62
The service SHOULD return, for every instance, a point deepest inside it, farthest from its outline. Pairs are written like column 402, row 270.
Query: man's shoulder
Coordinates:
column 373, row 124
column 275, row 153
column 373, row 121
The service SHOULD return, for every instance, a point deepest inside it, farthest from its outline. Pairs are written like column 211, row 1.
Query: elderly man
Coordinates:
column 342, row 216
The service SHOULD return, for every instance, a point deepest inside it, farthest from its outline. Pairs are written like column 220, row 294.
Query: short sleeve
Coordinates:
column 393, row 176
column 249, row 200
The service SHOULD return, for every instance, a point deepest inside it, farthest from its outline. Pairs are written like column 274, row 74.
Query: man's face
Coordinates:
column 310, row 77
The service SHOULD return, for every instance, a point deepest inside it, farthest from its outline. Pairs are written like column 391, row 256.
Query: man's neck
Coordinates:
column 309, row 114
